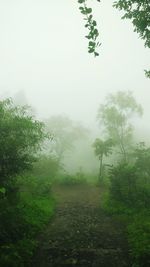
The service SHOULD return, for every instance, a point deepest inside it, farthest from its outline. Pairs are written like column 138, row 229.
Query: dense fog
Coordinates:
column 45, row 64
column 69, row 118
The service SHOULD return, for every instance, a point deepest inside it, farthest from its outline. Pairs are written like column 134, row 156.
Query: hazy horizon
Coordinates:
column 44, row 54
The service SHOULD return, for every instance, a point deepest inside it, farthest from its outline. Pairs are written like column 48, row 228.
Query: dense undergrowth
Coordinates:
column 27, row 172
column 77, row 178
column 22, row 219
column 26, row 202
column 128, row 199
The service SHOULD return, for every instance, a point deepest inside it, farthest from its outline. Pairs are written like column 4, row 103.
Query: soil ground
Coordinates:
column 80, row 233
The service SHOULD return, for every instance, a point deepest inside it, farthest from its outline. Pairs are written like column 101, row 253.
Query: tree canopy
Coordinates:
column 139, row 13
column 101, row 149
column 115, row 115
column 20, row 138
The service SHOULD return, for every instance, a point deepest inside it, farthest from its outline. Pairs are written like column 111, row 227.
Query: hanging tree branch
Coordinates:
column 91, row 24
column 138, row 11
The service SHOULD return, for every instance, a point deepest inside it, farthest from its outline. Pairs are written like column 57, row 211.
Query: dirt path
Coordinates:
column 80, row 234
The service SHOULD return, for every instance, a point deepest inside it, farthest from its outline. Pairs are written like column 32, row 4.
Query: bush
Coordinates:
column 128, row 187
column 128, row 197
column 20, row 138
column 72, row 179
column 46, row 167
column 25, row 201
column 139, row 238
column 123, row 184
column 21, row 221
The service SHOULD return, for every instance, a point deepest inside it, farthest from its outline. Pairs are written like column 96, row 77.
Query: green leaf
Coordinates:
column 96, row 54
column 2, row 190
column 96, row 32
column 88, row 10
column 94, row 23
column 88, row 36
column 91, row 50
column 147, row 73
column 92, row 43
column 81, row 1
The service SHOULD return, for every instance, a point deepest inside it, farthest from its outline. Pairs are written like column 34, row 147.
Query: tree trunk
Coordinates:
column 100, row 167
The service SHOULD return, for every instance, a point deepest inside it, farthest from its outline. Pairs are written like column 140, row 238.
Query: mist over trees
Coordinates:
column 56, row 152
column 35, row 155
column 65, row 133
column 115, row 116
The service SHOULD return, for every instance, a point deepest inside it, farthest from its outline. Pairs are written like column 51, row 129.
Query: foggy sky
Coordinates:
column 43, row 52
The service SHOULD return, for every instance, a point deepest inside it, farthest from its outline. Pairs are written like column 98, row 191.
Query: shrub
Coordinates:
column 139, row 238
column 21, row 221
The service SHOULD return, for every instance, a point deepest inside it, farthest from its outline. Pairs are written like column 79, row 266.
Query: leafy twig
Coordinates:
column 91, row 24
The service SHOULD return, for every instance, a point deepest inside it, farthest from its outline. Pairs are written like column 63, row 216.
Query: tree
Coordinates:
column 65, row 132
column 130, row 182
column 142, row 157
column 20, row 138
column 115, row 116
column 101, row 149
column 123, row 184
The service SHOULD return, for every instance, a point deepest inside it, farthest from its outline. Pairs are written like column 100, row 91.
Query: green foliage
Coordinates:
column 21, row 221
column 129, row 187
column 123, row 183
column 113, row 207
column 101, row 149
column 91, row 26
column 36, row 210
column 25, row 200
column 136, row 10
column 76, row 179
column 115, row 116
column 138, row 225
column 2, row 190
column 139, row 12
column 139, row 237
column 16, row 255
column 142, row 157
column 147, row 73
column 46, row 167
column 21, row 136
column 128, row 197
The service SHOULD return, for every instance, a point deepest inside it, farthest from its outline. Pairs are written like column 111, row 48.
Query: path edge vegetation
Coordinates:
column 126, row 173
column 26, row 202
